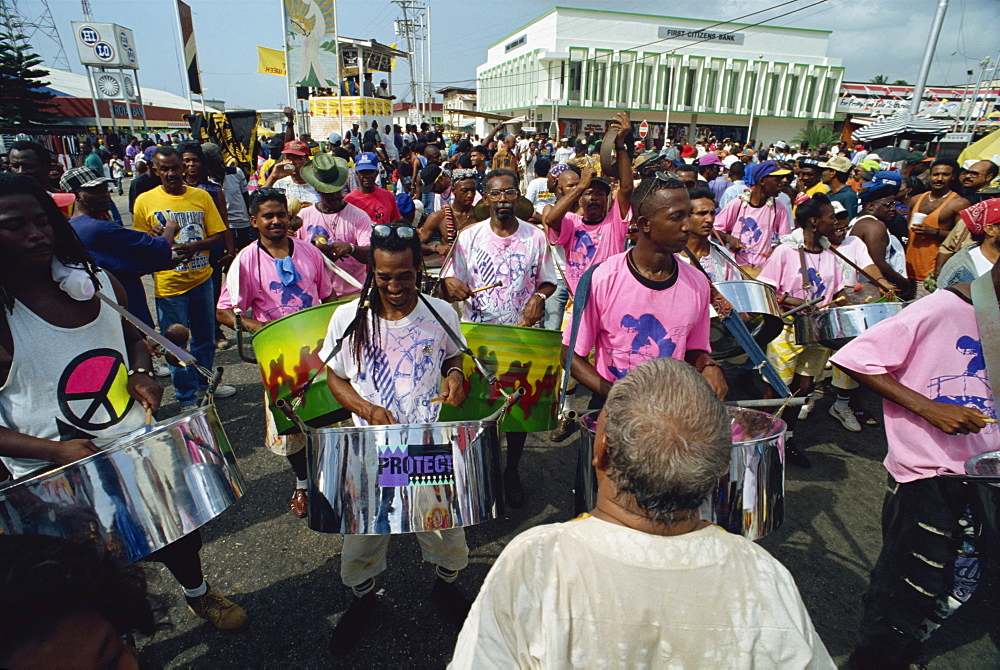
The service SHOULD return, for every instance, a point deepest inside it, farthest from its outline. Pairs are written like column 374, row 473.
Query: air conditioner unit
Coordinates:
column 114, row 86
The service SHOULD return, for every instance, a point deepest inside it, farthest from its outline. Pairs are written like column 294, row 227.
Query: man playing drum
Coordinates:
column 715, row 259
column 58, row 342
column 597, row 233
column 801, row 270
column 502, row 250
column 397, row 366
column 643, row 304
column 752, row 223
column 930, row 364
column 275, row 277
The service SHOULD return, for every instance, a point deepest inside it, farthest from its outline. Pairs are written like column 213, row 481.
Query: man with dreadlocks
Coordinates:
column 56, row 338
column 392, row 369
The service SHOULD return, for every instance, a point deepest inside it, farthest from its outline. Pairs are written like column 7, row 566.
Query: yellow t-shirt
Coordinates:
column 199, row 219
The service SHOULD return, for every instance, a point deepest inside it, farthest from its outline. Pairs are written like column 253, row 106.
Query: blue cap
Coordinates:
column 366, row 161
column 404, row 203
column 888, row 175
column 878, row 189
column 761, row 170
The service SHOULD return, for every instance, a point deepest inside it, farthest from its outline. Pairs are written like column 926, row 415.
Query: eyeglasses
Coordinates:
column 402, row 232
column 505, row 194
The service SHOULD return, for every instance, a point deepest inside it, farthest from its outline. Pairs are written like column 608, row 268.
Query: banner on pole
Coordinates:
column 190, row 50
column 311, row 43
column 271, row 61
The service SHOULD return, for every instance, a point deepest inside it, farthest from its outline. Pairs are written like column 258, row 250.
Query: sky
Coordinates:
column 871, row 36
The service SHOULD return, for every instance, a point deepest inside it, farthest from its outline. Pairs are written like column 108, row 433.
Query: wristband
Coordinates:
column 710, row 364
column 541, row 295
column 458, row 370
column 143, row 371
column 353, row 248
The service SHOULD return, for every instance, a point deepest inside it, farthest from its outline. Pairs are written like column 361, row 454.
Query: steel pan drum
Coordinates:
column 749, row 500
column 287, row 351
column 835, row 327
column 757, row 305
column 405, row 478
column 144, row 491
column 519, row 357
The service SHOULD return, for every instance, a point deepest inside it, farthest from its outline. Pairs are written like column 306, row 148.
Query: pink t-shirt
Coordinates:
column 629, row 320
column 931, row 347
column 783, row 271
column 262, row 295
column 521, row 261
column 856, row 250
column 348, row 225
column 379, row 205
column 590, row 243
column 757, row 228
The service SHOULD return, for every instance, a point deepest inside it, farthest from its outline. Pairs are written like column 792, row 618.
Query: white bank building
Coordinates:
column 570, row 70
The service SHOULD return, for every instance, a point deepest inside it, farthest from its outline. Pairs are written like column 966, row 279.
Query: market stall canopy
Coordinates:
column 986, row 149
column 901, row 124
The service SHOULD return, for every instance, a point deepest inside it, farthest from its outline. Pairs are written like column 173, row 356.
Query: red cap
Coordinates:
column 296, row 148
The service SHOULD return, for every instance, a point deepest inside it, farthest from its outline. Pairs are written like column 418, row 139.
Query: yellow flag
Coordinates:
column 271, row 61
column 392, row 61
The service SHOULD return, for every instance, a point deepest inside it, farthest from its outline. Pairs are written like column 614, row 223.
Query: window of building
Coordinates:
column 773, row 89
column 791, row 91
column 646, row 87
column 750, row 90
column 829, row 91
column 574, row 81
column 809, row 95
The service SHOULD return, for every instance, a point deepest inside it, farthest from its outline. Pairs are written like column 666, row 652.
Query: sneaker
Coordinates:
column 218, row 611
column 796, row 457
column 565, row 428
column 352, row 624
column 846, row 418
column 806, row 408
column 161, row 370
column 221, row 391
column 222, row 343
column 453, row 604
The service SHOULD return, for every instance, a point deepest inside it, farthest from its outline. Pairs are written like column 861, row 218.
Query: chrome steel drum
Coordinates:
column 144, row 491
column 757, row 305
column 984, row 468
column 749, row 500
column 407, row 478
column 835, row 327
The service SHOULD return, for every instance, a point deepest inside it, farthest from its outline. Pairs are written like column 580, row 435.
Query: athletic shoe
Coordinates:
column 161, row 370
column 806, row 408
column 218, row 611
column 846, row 418
column 221, row 391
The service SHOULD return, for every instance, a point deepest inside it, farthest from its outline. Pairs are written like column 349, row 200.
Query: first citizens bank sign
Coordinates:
column 667, row 32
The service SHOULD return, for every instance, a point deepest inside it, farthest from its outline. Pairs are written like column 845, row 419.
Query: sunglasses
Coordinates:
column 663, row 176
column 402, row 232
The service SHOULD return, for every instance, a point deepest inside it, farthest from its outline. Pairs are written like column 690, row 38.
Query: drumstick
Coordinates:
column 486, row 288
column 825, row 305
column 440, row 398
column 149, row 416
column 989, row 420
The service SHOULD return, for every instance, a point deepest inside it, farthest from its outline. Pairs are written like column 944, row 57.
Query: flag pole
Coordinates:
column 185, row 79
column 284, row 41
column 336, row 41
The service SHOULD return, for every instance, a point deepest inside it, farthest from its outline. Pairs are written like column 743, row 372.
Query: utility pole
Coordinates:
column 415, row 30
column 42, row 23
column 925, row 66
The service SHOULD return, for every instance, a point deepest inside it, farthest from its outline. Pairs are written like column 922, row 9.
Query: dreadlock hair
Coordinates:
column 642, row 201
column 367, row 335
column 67, row 246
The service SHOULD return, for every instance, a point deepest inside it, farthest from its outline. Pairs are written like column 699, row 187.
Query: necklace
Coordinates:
column 635, row 268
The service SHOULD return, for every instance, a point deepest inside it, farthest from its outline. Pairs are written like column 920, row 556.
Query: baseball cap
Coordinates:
column 603, row 182
column 917, row 157
column 711, row 158
column 838, row 163
column 366, row 161
column 295, row 148
column 767, row 169
column 888, row 175
column 77, row 178
column 404, row 203
column 334, row 138
column 878, row 189
column 839, row 210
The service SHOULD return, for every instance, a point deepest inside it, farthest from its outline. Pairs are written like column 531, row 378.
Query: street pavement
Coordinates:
column 287, row 576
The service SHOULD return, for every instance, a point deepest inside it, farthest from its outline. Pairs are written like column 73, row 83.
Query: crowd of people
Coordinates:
column 619, row 251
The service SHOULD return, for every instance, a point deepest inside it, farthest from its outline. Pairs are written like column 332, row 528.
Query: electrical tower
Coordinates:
column 35, row 23
column 415, row 30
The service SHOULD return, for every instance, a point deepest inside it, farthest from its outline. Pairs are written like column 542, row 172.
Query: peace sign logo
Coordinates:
column 93, row 390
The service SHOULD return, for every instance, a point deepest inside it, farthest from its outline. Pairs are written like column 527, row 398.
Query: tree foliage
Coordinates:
column 879, row 79
column 816, row 135
column 21, row 100
column 900, row 82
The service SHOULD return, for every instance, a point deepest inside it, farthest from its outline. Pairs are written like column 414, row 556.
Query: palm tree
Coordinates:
column 880, row 79
column 900, row 82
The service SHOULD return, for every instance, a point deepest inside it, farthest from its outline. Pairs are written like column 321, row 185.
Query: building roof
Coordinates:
column 711, row 22
column 65, row 84
column 456, row 89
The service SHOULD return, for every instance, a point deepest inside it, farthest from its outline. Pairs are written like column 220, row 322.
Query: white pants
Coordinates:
column 363, row 556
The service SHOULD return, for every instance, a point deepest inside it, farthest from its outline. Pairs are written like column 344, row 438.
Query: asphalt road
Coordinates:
column 287, row 576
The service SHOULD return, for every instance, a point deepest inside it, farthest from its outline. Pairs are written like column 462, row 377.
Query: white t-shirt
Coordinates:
column 563, row 154
column 403, row 371
column 522, row 262
column 304, row 192
column 591, row 594
column 538, row 192
column 982, row 265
